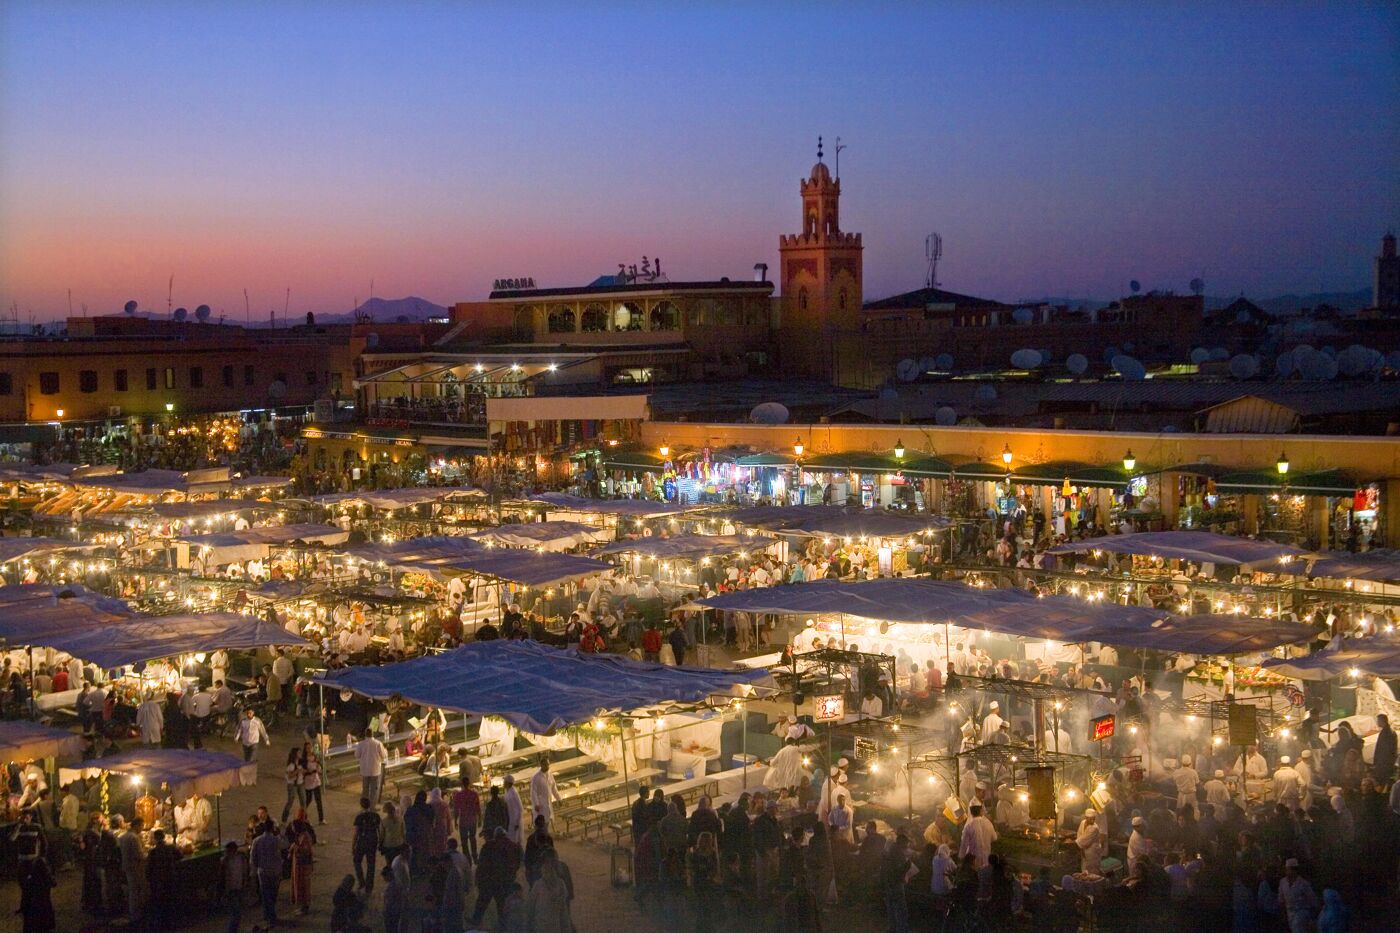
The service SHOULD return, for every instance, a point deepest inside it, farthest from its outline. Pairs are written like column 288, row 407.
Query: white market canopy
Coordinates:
column 1379, row 657
column 686, row 547
column 228, row 547
column 1016, row 613
column 552, row 536
column 538, row 688
column 461, row 556
column 21, row 740
column 1202, row 547
column 13, row 549
column 186, row 771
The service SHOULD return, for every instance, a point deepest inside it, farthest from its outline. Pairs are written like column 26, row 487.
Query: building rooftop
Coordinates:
column 609, row 286
column 923, row 297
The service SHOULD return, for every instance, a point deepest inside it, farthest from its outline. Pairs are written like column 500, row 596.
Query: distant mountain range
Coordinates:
column 1280, row 305
column 389, row 310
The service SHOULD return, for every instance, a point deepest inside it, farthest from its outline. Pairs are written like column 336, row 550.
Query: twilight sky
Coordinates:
column 1059, row 150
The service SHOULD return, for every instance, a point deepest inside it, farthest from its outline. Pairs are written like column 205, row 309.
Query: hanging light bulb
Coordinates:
column 1129, row 461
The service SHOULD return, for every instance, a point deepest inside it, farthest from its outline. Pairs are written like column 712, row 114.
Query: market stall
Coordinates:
column 28, row 746
column 549, row 536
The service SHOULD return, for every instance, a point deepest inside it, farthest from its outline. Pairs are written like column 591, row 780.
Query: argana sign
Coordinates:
column 506, row 285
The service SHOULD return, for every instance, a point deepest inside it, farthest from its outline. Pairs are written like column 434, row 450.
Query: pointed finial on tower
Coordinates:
column 819, row 148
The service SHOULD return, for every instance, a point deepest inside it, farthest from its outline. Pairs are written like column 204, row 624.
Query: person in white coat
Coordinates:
column 544, row 793
column 785, row 769
column 149, row 720
column 515, row 812
column 992, row 724
column 1305, row 774
column 1091, row 842
column 1139, row 846
column 978, row 834
column 1288, row 784
column 1217, row 794
column 1187, row 781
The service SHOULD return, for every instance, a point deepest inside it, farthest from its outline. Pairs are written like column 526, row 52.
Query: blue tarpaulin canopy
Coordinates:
column 632, row 508
column 463, row 556
column 1016, row 613
column 29, row 612
column 1379, row 566
column 836, row 521
column 687, row 547
column 1200, row 546
column 549, row 535
column 147, row 638
column 186, row 771
column 13, row 549
column 414, row 552
column 1375, row 656
column 26, row 741
column 538, row 688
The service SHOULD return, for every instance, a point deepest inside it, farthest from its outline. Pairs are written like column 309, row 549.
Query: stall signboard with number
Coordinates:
column 829, row 708
column 865, row 748
column 1102, row 727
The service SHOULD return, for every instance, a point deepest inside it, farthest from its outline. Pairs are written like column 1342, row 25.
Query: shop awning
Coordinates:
column 632, row 460
column 538, row 688
column 1214, row 634
column 911, row 464
column 13, row 549
column 1264, row 482
column 26, row 741
column 1379, row 658
column 186, row 771
column 1198, row 546
column 1055, row 472
column 147, row 638
column 980, row 471
column 1378, row 566
column 686, row 547
column 552, row 536
column 766, row 460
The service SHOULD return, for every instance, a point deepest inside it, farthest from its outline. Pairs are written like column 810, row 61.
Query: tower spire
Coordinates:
column 819, row 148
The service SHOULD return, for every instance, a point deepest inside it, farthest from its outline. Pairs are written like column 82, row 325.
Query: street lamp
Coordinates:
column 1282, row 464
column 1006, row 455
column 665, row 450
column 899, row 450
column 169, row 406
column 1129, row 461
column 797, row 448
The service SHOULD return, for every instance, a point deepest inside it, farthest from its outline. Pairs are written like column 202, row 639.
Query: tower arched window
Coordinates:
column 841, row 299
column 802, row 299
column 595, row 319
column 561, row 320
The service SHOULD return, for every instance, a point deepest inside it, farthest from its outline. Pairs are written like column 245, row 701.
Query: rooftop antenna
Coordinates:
column 819, row 148
column 170, row 294
column 933, row 249
column 247, row 310
column 70, row 302
column 287, row 303
column 839, row 146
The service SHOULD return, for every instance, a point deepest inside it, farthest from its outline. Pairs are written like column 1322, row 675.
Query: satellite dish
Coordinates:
column 1026, row 359
column 1135, row 286
column 1198, row 286
column 1127, row 367
column 1109, row 353
column 889, row 393
column 372, row 341
column 1330, row 351
column 202, row 313
column 1354, row 360
column 945, row 416
column 181, row 314
column 1315, row 366
column 769, row 413
column 985, row 393
column 1077, row 363
column 1219, row 353
column 1200, row 355
column 1392, row 360
column 130, row 307
column 1284, row 365
column 276, row 389
column 1022, row 316
column 1244, row 366
column 907, row 370
column 945, row 362
column 927, row 364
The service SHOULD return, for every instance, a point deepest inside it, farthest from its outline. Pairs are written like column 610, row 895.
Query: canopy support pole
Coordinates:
column 622, row 741
column 744, row 741
column 219, row 816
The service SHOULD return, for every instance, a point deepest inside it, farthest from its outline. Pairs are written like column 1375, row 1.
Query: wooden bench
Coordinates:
column 574, row 808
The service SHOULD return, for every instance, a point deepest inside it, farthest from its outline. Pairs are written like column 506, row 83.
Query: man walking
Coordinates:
column 372, row 756
column 1383, row 764
column 365, row 844
column 267, row 862
column 251, row 731
column 233, row 883
column 466, row 807
column 544, row 792
column 133, row 855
